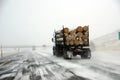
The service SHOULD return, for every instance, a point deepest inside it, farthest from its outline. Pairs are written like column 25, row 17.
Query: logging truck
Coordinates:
column 69, row 43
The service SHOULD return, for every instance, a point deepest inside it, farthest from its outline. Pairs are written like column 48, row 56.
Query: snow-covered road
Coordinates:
column 104, row 65
column 42, row 65
column 29, row 65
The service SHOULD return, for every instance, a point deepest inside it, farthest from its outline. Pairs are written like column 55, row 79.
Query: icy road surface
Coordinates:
column 30, row 65
column 42, row 65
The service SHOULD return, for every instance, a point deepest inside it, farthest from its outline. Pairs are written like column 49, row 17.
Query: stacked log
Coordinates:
column 86, row 35
column 78, row 36
column 79, row 29
column 85, row 28
column 66, row 30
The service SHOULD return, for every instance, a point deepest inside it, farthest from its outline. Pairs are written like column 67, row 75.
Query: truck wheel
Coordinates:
column 65, row 54
column 86, row 54
column 83, row 56
column 54, row 52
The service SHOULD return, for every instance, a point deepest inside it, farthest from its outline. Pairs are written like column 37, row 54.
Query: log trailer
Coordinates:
column 71, row 43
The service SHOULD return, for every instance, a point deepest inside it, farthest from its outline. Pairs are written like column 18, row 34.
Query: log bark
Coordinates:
column 85, row 28
column 79, row 29
column 66, row 30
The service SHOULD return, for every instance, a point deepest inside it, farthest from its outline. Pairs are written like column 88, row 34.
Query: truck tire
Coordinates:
column 86, row 54
column 54, row 51
column 65, row 54
column 57, row 53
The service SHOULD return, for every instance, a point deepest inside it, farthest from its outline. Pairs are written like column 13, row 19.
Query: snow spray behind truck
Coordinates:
column 69, row 43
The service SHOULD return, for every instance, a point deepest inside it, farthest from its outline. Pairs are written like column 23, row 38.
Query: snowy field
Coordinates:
column 10, row 51
column 40, row 64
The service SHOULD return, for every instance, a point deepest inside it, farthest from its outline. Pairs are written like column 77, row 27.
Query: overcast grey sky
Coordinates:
column 27, row 22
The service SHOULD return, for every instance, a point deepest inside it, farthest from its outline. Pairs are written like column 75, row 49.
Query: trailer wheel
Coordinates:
column 65, row 54
column 86, row 54
column 54, row 52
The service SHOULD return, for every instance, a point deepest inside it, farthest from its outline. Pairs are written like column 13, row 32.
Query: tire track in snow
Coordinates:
column 100, row 71
column 31, row 66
